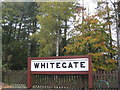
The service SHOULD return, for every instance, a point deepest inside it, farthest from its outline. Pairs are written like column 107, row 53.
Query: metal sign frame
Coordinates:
column 29, row 72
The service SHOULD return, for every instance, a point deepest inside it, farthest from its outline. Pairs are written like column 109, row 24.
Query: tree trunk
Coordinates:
column 118, row 42
column 65, row 32
column 118, row 38
column 20, row 25
column 57, row 45
column 10, row 31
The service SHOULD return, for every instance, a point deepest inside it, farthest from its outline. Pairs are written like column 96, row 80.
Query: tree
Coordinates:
column 18, row 22
column 53, row 19
column 92, row 38
column 118, row 38
column 108, row 16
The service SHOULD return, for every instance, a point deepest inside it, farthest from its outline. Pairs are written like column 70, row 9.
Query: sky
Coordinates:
column 91, row 4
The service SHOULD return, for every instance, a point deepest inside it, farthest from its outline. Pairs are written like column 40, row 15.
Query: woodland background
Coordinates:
column 39, row 29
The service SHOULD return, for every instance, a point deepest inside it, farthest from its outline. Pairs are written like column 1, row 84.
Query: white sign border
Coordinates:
column 61, row 60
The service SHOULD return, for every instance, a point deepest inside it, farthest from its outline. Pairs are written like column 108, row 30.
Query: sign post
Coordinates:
column 59, row 65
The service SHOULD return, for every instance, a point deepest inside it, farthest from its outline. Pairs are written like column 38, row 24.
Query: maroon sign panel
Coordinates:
column 59, row 65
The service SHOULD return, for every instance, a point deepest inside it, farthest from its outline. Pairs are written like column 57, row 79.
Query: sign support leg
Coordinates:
column 29, row 84
column 90, row 86
column 29, row 76
column 90, row 81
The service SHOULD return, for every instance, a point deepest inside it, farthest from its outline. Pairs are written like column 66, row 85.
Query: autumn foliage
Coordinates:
column 93, row 39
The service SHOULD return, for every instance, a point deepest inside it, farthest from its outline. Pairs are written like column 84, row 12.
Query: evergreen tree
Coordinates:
column 18, row 22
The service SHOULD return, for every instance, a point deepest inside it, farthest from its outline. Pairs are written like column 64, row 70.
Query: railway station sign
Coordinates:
column 75, row 64
column 59, row 65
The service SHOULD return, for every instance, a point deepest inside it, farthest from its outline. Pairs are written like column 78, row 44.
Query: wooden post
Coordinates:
column 29, row 77
column 90, row 74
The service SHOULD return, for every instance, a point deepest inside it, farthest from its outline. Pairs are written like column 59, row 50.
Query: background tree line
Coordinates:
column 51, row 29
